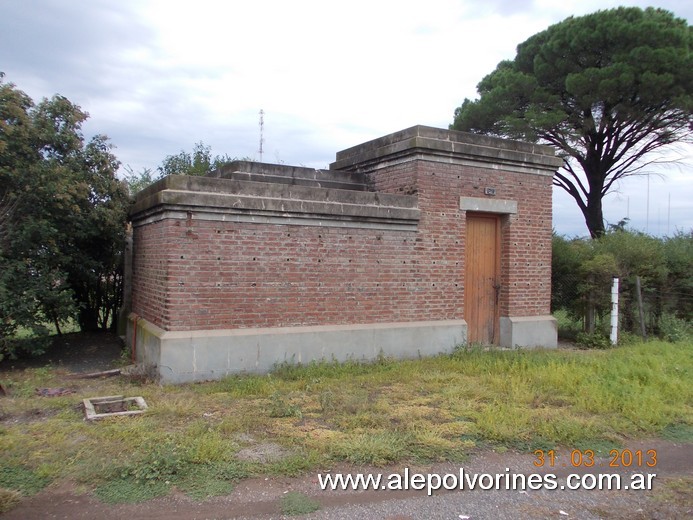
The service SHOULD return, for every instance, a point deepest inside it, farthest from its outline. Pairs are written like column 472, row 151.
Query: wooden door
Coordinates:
column 482, row 278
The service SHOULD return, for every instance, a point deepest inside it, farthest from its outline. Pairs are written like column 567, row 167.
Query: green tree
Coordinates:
column 63, row 219
column 137, row 181
column 199, row 162
column 606, row 89
column 95, row 265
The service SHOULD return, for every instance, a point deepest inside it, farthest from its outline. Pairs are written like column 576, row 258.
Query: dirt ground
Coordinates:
column 75, row 352
column 260, row 498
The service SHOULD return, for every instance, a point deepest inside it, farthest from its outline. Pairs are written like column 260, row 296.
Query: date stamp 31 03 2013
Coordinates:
column 617, row 458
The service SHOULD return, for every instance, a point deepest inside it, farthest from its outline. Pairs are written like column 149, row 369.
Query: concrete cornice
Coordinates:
column 448, row 146
column 282, row 203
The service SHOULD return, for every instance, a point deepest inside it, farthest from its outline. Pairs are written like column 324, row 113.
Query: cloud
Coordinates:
column 159, row 76
column 68, row 47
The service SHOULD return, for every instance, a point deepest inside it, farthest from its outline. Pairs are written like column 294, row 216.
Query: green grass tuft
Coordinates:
column 125, row 490
column 22, row 479
column 294, row 503
column 377, row 448
column 209, row 480
column 678, row 432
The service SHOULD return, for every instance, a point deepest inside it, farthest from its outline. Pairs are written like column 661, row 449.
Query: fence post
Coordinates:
column 590, row 318
column 641, row 312
column 614, row 311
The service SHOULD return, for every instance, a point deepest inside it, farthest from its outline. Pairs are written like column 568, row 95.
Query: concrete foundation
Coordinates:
column 528, row 331
column 199, row 355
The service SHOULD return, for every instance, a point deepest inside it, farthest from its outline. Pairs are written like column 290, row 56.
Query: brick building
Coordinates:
column 408, row 245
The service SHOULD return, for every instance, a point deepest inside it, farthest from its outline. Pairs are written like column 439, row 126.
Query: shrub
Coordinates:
column 675, row 329
column 593, row 341
column 678, row 252
column 582, row 270
column 280, row 407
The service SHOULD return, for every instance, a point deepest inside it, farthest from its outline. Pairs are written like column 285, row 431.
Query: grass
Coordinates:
column 8, row 499
column 568, row 327
column 419, row 411
column 65, row 328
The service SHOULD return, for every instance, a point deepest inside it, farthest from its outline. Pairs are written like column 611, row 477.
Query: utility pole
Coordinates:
column 669, row 214
column 647, row 210
column 262, row 129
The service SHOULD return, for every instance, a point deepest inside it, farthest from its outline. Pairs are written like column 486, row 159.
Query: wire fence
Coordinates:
column 583, row 304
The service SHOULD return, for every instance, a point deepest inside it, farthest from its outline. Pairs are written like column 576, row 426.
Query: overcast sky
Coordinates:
column 158, row 76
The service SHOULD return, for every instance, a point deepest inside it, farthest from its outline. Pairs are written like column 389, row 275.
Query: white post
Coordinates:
column 614, row 311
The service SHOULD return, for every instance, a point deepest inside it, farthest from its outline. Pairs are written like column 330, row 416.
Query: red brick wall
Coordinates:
column 210, row 274
column 226, row 275
column 151, row 248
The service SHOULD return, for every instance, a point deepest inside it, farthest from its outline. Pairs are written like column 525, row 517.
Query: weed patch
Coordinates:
column 209, row 480
column 22, row 479
column 678, row 432
column 595, row 340
column 157, row 473
column 294, row 503
column 281, row 407
column 292, row 464
column 8, row 499
column 157, row 462
column 125, row 490
column 376, row 448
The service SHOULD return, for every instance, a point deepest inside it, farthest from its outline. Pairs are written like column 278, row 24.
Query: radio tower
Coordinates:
column 262, row 128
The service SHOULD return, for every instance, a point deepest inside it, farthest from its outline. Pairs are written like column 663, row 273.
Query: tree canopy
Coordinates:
column 199, row 162
column 62, row 218
column 606, row 89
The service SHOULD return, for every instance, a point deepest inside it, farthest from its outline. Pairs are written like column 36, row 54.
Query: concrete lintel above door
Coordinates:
column 502, row 206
